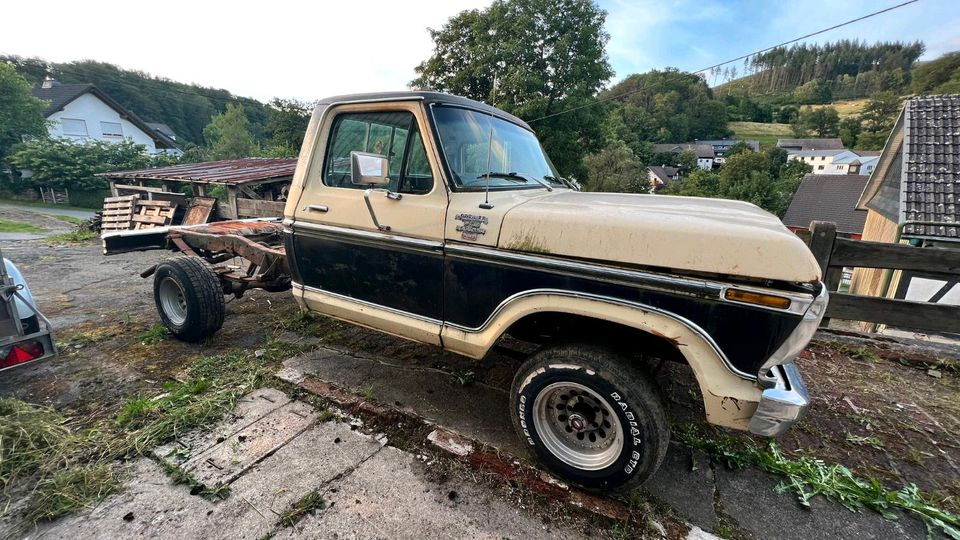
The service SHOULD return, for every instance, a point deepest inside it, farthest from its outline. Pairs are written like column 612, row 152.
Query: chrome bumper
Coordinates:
column 783, row 404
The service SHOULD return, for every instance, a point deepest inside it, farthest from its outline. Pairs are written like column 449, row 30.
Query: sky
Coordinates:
column 307, row 50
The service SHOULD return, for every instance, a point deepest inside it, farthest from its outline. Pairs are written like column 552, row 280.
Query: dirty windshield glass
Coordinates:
column 476, row 144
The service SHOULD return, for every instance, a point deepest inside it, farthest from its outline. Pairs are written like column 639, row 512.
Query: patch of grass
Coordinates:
column 72, row 237
column 862, row 353
column 325, row 416
column 16, row 202
column 69, row 219
column 308, row 504
column 29, row 436
column 133, row 410
column 299, row 322
column 366, row 393
column 872, row 442
column 807, row 476
column 10, row 226
column 156, row 333
column 71, row 489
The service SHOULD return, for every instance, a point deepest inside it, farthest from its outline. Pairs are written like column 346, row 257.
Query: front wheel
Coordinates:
column 589, row 417
column 189, row 298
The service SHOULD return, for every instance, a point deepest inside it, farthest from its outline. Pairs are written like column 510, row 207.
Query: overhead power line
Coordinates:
column 742, row 57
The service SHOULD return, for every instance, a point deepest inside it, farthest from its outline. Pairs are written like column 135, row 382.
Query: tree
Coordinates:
column 850, row 129
column 738, row 148
column 615, row 169
column 686, row 161
column 532, row 58
column 699, row 183
column 287, row 121
column 822, row 121
column 813, row 92
column 880, row 113
column 665, row 106
column 66, row 164
column 228, row 135
column 21, row 114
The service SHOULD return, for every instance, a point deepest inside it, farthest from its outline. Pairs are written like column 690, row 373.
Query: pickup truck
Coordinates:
column 442, row 220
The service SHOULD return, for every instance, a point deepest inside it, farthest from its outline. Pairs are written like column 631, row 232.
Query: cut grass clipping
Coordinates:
column 807, row 477
column 72, row 237
column 69, row 470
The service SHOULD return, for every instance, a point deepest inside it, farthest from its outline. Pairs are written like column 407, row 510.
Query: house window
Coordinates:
column 73, row 127
column 111, row 129
column 819, row 167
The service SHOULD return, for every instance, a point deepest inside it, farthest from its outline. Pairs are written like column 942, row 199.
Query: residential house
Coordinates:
column 912, row 196
column 721, row 146
column 800, row 145
column 819, row 160
column 82, row 112
column 852, row 162
column 704, row 152
column 825, row 197
column 660, row 176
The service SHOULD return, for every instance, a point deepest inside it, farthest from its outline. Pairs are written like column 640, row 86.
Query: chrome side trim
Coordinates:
column 369, row 236
column 696, row 287
column 370, row 305
column 692, row 326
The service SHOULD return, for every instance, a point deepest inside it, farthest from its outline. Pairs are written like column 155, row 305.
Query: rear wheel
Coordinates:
column 589, row 417
column 189, row 298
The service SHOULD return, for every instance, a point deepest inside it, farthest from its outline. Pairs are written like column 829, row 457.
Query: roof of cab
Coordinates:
column 438, row 98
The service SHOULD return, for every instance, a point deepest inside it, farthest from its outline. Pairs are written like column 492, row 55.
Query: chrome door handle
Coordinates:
column 317, row 208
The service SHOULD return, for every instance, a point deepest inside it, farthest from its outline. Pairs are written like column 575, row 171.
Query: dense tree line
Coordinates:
column 940, row 76
column 840, row 70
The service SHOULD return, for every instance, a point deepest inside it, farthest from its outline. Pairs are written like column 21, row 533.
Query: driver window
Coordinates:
column 392, row 134
column 384, row 134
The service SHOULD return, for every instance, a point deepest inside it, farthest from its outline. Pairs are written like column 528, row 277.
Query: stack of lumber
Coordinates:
column 129, row 212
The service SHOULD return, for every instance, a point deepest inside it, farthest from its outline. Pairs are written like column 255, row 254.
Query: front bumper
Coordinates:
column 783, row 404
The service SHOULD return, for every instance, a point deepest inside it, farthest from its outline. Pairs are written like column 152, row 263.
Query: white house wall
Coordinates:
column 90, row 109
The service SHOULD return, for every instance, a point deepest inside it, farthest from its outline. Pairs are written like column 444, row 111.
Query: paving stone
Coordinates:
column 248, row 410
column 750, row 497
column 225, row 461
column 689, row 492
column 477, row 411
column 389, row 496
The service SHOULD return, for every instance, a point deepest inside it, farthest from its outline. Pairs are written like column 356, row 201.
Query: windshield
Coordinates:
column 512, row 158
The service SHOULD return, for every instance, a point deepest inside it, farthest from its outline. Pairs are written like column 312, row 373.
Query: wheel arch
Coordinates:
column 728, row 398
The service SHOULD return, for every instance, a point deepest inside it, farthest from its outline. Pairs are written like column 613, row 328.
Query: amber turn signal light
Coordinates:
column 759, row 299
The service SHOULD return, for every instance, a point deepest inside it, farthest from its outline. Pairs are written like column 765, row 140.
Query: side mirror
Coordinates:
column 369, row 169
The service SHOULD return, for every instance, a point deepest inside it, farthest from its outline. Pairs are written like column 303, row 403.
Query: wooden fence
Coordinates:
column 833, row 253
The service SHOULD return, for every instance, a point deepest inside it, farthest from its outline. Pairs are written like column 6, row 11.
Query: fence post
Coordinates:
column 822, row 237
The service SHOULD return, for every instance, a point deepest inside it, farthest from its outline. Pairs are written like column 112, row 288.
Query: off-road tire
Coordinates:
column 630, row 396
column 201, row 308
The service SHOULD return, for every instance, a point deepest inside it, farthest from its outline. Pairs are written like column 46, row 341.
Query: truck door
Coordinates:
column 374, row 256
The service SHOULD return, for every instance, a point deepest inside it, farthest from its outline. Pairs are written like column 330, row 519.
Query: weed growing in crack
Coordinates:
column 308, row 504
column 808, row 476
column 872, row 442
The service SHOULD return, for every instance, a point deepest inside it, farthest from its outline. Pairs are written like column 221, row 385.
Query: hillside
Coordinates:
column 766, row 133
column 186, row 108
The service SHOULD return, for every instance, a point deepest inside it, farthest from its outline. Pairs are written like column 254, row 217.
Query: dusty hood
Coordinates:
column 683, row 233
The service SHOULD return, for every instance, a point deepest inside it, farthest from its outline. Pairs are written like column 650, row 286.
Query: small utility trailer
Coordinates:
column 25, row 334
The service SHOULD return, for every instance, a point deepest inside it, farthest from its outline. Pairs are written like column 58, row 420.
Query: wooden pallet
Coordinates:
column 200, row 211
column 118, row 213
column 152, row 214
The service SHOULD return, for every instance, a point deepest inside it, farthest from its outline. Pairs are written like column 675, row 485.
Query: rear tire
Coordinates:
column 189, row 298
column 589, row 417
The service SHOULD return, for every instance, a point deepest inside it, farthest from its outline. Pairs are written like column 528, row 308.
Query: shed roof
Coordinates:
column 703, row 151
column 811, row 144
column 227, row 172
column 828, row 197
